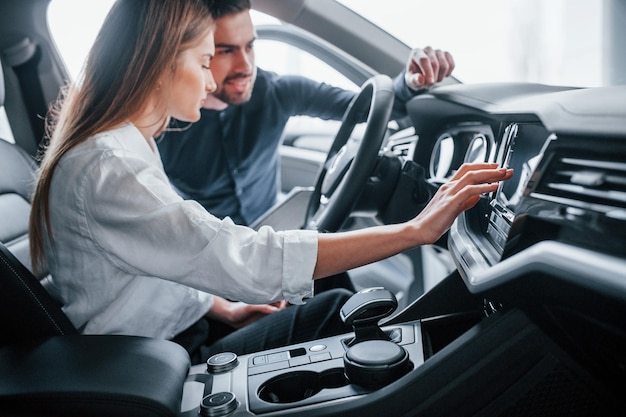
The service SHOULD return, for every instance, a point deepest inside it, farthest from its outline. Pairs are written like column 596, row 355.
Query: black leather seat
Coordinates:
column 46, row 367
column 27, row 311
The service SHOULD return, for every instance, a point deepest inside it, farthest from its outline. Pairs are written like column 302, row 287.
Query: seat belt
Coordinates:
column 24, row 58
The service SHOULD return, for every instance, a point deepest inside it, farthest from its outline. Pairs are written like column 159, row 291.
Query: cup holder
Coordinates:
column 300, row 385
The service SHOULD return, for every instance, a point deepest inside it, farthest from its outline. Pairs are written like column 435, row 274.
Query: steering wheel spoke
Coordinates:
column 349, row 163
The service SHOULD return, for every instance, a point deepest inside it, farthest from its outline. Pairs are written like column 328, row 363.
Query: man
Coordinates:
column 229, row 161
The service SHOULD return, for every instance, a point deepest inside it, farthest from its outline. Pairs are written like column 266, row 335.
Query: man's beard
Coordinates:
column 234, row 98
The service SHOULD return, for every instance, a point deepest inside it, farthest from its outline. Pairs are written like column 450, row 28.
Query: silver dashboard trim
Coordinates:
column 588, row 269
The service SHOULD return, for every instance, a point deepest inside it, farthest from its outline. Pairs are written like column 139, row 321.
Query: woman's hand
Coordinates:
column 460, row 193
column 238, row 314
column 338, row 252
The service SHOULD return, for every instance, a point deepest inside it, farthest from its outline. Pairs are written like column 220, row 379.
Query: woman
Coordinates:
column 129, row 256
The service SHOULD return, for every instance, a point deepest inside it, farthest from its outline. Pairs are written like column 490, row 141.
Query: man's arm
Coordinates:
column 302, row 96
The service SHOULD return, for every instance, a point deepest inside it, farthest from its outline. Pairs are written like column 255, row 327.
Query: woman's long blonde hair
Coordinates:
column 139, row 42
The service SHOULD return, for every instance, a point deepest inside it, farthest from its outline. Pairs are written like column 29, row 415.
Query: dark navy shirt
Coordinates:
column 228, row 161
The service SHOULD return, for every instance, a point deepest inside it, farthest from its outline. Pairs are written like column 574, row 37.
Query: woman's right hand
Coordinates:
column 339, row 252
column 460, row 193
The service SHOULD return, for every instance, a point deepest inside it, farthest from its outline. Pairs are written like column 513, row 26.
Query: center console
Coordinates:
column 527, row 324
column 294, row 377
column 417, row 364
column 303, row 376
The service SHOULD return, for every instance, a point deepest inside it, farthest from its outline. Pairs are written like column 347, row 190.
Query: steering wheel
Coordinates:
column 349, row 163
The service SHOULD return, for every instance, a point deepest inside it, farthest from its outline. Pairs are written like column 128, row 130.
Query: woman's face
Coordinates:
column 191, row 81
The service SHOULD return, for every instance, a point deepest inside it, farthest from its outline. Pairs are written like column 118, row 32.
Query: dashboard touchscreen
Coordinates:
column 520, row 149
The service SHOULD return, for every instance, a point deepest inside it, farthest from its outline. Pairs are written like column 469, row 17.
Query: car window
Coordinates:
column 283, row 58
column 74, row 40
column 489, row 38
column 287, row 59
column 556, row 42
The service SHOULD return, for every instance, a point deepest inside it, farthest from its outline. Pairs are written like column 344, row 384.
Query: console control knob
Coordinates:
column 218, row 404
column 222, row 362
column 375, row 363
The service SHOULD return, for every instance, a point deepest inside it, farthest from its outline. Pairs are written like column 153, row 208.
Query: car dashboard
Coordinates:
column 532, row 320
column 563, row 213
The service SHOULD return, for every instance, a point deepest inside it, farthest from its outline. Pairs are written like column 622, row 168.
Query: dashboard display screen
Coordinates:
column 521, row 150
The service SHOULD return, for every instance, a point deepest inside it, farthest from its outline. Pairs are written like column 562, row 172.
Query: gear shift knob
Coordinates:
column 368, row 306
column 372, row 360
column 364, row 310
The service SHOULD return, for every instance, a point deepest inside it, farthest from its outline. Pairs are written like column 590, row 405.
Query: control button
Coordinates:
column 320, row 357
column 218, row 404
column 261, row 369
column 222, row 362
column 395, row 335
column 259, row 360
column 276, row 357
column 300, row 360
column 317, row 348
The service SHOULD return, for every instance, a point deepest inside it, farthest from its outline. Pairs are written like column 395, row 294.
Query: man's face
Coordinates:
column 233, row 65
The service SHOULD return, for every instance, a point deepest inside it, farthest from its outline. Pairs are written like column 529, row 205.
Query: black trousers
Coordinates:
column 316, row 319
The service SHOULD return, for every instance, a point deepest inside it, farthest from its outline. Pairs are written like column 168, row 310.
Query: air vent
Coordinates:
column 594, row 182
column 403, row 143
column 403, row 148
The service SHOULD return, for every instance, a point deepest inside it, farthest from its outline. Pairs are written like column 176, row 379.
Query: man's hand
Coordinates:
column 426, row 67
column 238, row 315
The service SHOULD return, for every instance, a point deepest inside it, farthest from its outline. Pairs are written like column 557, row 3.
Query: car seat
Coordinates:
column 46, row 367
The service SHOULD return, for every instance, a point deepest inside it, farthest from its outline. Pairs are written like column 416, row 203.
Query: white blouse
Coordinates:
column 130, row 256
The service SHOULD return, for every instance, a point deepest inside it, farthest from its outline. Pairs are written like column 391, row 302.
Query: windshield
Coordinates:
column 558, row 42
